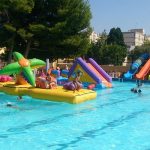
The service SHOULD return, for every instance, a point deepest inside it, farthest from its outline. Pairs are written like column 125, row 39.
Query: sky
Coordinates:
column 125, row 14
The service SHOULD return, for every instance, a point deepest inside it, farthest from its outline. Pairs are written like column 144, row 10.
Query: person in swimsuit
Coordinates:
column 9, row 104
column 51, row 83
column 77, row 82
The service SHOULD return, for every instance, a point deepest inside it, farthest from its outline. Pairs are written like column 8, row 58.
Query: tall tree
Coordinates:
column 51, row 28
column 69, row 31
column 115, row 36
column 11, row 16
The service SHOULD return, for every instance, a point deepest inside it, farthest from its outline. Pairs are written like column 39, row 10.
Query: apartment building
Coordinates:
column 134, row 37
column 94, row 37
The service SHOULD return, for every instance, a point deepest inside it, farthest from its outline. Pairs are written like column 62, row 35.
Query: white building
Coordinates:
column 134, row 37
column 94, row 37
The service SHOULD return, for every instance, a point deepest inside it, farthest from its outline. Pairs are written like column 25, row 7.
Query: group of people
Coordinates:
column 46, row 81
column 138, row 88
column 51, row 82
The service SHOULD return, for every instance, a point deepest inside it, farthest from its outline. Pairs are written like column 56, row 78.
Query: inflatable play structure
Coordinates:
column 23, row 69
column 73, row 86
column 25, row 83
column 140, row 68
column 144, row 71
column 55, row 73
column 5, row 78
column 64, row 73
column 60, row 76
column 92, row 73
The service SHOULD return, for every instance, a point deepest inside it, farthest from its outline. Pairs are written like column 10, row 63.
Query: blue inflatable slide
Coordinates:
column 135, row 66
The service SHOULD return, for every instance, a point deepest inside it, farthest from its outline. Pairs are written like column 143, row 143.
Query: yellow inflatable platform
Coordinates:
column 59, row 94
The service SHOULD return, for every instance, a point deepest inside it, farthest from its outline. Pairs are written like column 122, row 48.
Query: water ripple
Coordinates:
column 20, row 129
column 93, row 133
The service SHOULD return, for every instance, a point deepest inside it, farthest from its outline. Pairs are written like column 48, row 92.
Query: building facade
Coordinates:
column 134, row 37
column 94, row 37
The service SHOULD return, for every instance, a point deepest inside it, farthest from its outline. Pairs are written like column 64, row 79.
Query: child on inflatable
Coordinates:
column 51, row 81
column 77, row 83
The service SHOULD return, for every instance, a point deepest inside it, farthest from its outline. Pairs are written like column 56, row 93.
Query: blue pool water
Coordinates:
column 117, row 120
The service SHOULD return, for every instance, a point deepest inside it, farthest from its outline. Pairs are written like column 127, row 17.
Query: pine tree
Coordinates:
column 49, row 28
column 115, row 36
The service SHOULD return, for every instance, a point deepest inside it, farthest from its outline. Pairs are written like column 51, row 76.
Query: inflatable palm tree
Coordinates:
column 23, row 69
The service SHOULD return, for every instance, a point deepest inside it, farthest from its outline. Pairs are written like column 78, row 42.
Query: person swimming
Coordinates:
column 9, row 104
column 136, row 90
column 19, row 98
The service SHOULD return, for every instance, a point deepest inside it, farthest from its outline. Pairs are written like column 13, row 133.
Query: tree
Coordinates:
column 69, row 33
column 52, row 28
column 113, row 54
column 139, row 50
column 108, row 54
column 103, row 38
column 105, row 51
column 11, row 16
column 96, row 52
column 115, row 36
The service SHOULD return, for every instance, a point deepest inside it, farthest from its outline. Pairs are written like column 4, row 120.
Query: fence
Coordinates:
column 115, row 71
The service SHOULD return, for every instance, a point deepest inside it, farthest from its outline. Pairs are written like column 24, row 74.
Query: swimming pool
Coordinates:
column 117, row 120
